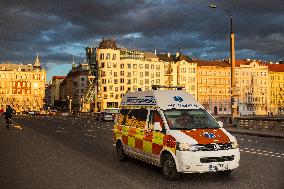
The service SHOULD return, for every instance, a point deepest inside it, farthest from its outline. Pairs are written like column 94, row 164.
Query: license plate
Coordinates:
column 218, row 167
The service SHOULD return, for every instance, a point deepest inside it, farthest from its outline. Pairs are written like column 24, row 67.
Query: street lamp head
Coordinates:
column 212, row 6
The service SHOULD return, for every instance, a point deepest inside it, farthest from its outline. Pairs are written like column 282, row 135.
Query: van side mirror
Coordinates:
column 157, row 126
column 220, row 123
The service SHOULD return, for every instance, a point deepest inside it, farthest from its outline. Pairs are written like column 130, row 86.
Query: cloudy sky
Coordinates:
column 59, row 29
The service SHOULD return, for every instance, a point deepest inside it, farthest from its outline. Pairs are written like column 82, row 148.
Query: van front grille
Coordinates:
column 216, row 159
column 214, row 147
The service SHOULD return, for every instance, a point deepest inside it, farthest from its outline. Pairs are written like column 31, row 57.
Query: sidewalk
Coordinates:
column 262, row 133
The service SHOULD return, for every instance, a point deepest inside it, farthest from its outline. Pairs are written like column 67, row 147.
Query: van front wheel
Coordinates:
column 120, row 152
column 169, row 167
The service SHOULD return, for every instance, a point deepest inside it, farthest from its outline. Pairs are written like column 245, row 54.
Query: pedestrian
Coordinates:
column 8, row 115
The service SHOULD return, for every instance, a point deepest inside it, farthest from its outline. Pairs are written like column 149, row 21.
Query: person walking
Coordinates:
column 8, row 116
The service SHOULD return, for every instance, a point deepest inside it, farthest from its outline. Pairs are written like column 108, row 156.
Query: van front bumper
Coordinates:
column 207, row 161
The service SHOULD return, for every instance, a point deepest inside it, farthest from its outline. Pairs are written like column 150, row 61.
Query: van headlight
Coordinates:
column 186, row 147
column 235, row 144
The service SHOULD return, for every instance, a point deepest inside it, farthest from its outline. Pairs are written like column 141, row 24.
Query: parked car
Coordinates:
column 53, row 112
column 31, row 112
column 105, row 116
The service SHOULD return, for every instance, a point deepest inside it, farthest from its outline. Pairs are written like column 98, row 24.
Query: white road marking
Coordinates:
column 61, row 131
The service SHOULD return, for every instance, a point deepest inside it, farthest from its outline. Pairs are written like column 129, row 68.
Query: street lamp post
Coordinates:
column 233, row 60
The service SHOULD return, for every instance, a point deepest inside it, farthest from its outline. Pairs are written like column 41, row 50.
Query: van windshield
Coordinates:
column 184, row 119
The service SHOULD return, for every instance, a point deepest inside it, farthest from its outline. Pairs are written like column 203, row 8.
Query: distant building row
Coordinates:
column 113, row 71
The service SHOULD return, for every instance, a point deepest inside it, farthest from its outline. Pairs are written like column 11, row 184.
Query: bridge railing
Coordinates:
column 261, row 123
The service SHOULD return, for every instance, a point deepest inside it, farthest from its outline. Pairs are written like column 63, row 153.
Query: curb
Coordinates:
column 255, row 133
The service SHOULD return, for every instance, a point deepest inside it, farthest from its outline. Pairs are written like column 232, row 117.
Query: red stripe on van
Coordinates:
column 139, row 144
column 156, row 148
column 200, row 136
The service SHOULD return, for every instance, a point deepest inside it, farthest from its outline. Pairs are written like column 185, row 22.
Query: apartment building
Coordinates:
column 180, row 70
column 252, row 83
column 276, row 87
column 120, row 70
column 22, row 86
column 213, row 83
column 54, row 90
column 72, row 87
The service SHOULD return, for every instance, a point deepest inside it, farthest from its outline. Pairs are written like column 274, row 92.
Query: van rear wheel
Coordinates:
column 120, row 152
column 169, row 167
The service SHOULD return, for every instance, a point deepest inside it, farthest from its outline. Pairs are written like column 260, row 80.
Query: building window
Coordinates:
column 128, row 74
column 121, row 80
column 121, row 88
column 109, row 65
column 157, row 74
column 107, row 56
column 146, row 66
column 146, row 81
column 141, row 66
column 141, row 74
column 102, row 56
column 114, row 56
column 128, row 66
column 103, row 65
column 135, row 66
column 115, row 74
column 121, row 73
column 82, row 79
column 146, row 73
column 105, row 89
column 157, row 67
column 152, row 67
column 114, row 65
column 121, row 66
column 128, row 81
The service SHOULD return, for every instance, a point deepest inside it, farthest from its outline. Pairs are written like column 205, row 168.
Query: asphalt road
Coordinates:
column 70, row 152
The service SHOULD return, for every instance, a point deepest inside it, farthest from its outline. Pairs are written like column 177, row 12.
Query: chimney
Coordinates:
column 155, row 52
column 169, row 54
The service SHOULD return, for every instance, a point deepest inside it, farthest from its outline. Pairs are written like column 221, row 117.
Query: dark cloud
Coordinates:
column 58, row 29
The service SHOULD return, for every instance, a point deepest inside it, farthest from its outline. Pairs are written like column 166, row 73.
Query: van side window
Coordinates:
column 155, row 117
column 137, row 118
column 121, row 120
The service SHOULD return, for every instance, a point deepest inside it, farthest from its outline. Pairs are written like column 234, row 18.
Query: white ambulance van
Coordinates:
column 169, row 128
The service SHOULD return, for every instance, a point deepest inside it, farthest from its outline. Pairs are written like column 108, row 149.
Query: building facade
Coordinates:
column 120, row 70
column 22, row 86
column 252, row 83
column 180, row 70
column 72, row 87
column 276, row 87
column 54, row 90
column 213, row 83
